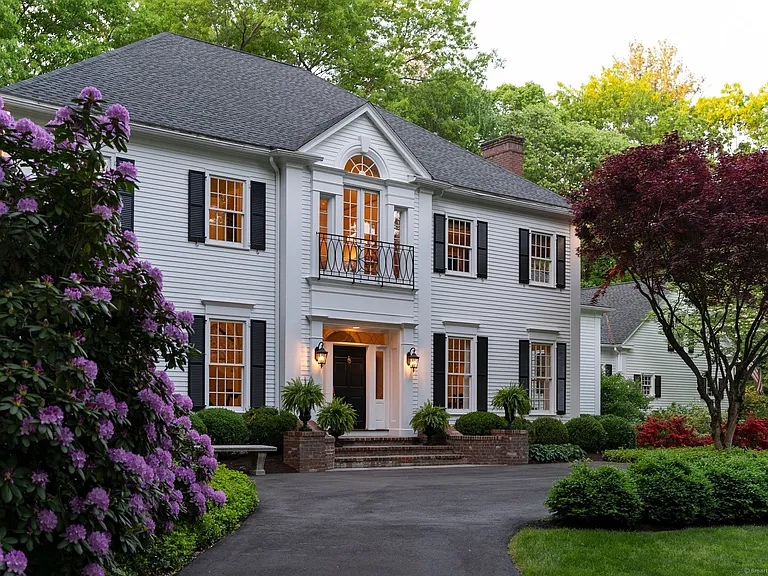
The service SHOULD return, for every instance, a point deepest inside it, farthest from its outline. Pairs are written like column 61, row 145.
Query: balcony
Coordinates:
column 369, row 261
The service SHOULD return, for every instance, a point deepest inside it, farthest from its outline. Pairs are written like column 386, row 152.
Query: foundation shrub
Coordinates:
column 587, row 432
column 479, row 423
column 266, row 425
column 548, row 431
column 620, row 433
column 224, row 426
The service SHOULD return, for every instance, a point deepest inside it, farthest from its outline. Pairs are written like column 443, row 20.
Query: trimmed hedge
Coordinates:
column 266, row 425
column 587, row 433
column 520, row 423
column 171, row 551
column 224, row 426
column 479, row 423
column 548, row 431
column 198, row 424
column 620, row 433
column 547, row 453
column 595, row 497
column 631, row 455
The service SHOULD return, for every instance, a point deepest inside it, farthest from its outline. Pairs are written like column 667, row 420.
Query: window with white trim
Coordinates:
column 459, row 245
column 646, row 382
column 459, row 373
column 324, row 226
column 226, row 363
column 360, row 220
column 542, row 258
column 542, row 377
column 226, row 210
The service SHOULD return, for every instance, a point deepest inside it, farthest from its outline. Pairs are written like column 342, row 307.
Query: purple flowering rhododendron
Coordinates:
column 98, row 456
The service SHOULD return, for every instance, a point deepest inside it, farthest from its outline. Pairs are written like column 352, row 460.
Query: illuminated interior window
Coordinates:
column 459, row 245
column 324, row 207
column 227, row 210
column 226, row 365
column 362, row 164
column 459, row 373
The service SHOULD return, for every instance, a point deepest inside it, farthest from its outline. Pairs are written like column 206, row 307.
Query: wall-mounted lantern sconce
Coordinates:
column 412, row 359
column 321, row 354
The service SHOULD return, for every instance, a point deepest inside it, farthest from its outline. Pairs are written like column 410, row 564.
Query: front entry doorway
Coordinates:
column 349, row 379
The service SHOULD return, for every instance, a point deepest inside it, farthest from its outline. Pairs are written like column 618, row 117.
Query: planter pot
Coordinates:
column 430, row 431
column 305, row 417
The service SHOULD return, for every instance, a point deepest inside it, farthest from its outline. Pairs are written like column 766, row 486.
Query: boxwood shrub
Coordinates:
column 548, row 431
column 620, row 433
column 266, row 425
column 520, row 423
column 587, row 433
column 741, row 489
column 198, row 424
column 168, row 553
column 479, row 423
column 224, row 426
column 547, row 453
column 595, row 497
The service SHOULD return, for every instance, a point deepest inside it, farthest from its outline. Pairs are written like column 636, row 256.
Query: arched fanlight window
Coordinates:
column 362, row 164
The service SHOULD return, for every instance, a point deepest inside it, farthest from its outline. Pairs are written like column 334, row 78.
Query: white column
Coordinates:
column 424, row 295
column 575, row 363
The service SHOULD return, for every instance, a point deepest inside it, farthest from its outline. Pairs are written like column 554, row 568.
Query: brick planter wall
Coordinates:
column 502, row 447
column 312, row 451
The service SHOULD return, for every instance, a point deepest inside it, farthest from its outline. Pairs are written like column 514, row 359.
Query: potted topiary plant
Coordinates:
column 430, row 420
column 337, row 417
column 513, row 399
column 302, row 397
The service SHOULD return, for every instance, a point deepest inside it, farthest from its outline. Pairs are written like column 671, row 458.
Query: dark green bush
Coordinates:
column 546, row 453
column 741, row 489
column 548, row 431
column 521, row 424
column 171, row 551
column 224, row 426
column 595, row 497
column 673, row 492
column 198, row 424
column 266, row 425
column 624, row 398
column 635, row 454
column 620, row 433
column 479, row 423
column 587, row 432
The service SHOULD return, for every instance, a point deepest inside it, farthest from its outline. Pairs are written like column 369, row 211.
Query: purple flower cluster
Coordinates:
column 40, row 478
column 104, row 211
column 41, row 138
column 66, row 436
column 106, row 429
column 75, row 533
column 78, row 458
column 47, row 520
column 185, row 317
column 127, row 170
column 173, row 331
column 15, row 562
column 51, row 415
column 99, row 498
column 27, row 205
column 89, row 367
column 90, row 93
column 100, row 293
column 99, row 543
column 93, row 569
column 122, row 409
column 3, row 208
column 73, row 293
column 104, row 401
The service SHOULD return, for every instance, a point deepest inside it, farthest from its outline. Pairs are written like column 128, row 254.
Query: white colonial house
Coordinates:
column 292, row 217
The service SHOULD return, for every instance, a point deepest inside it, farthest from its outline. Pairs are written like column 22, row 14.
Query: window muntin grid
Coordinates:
column 459, row 373
column 226, row 211
column 541, row 258
column 459, row 245
column 646, row 382
column 226, row 363
column 362, row 164
column 541, row 377
column 371, row 231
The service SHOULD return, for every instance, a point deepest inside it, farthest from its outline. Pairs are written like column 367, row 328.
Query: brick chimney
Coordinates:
column 507, row 151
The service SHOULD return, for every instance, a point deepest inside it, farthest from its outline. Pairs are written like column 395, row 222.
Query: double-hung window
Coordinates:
column 459, row 246
column 226, row 363
column 226, row 212
column 542, row 258
column 646, row 382
column 541, row 377
column 459, row 373
column 360, row 222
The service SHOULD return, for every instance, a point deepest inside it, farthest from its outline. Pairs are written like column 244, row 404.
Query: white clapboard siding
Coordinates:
column 196, row 272
column 504, row 308
column 589, row 400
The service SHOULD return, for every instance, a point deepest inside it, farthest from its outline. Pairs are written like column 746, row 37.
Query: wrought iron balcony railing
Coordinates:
column 365, row 260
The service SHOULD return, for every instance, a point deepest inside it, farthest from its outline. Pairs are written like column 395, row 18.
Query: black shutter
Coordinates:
column 196, row 213
column 524, row 365
column 126, row 216
column 258, row 215
column 524, row 265
column 657, row 386
column 637, row 378
column 482, row 374
column 608, row 369
column 439, row 254
column 258, row 363
column 561, row 363
column 196, row 372
column 438, row 369
column 560, row 262
column 482, row 249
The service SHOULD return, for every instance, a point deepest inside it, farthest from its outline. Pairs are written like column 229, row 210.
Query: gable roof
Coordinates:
column 186, row 85
column 629, row 309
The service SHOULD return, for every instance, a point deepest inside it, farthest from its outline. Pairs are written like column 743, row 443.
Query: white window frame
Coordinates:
column 472, row 248
column 552, row 377
column 244, row 245
column 651, row 382
column 552, row 258
column 471, row 401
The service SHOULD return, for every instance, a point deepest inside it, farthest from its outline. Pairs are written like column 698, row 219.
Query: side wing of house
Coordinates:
column 590, row 360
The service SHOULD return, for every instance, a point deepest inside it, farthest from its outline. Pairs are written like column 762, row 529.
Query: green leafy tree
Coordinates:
column 622, row 397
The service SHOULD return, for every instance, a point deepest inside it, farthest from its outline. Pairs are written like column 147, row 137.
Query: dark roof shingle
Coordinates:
column 630, row 308
column 192, row 86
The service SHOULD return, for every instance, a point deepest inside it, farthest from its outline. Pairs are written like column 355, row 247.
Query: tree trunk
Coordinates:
column 716, row 429
column 733, row 419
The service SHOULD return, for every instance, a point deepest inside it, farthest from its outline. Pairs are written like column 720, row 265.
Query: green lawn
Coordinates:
column 723, row 551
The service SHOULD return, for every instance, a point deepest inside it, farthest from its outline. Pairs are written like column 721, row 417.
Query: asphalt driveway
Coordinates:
column 395, row 522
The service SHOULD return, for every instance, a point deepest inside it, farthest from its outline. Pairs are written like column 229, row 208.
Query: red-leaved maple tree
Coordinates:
column 690, row 227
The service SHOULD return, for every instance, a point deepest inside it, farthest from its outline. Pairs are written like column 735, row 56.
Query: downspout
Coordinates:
column 278, row 296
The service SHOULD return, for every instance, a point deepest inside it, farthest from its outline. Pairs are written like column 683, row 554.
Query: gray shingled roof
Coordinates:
column 630, row 308
column 191, row 86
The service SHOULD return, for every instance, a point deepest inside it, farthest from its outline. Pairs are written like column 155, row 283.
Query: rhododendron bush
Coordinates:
column 97, row 452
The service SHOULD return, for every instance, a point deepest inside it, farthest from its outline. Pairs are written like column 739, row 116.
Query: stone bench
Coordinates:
column 257, row 452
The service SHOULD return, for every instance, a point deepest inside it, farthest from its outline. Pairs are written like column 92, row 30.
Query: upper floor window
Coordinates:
column 459, row 245
column 646, row 381
column 541, row 258
column 362, row 164
column 226, row 212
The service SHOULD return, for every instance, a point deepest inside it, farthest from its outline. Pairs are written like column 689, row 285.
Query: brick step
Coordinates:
column 439, row 459
column 376, row 440
column 389, row 449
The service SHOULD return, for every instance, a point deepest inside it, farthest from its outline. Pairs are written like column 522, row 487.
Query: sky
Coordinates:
column 547, row 41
